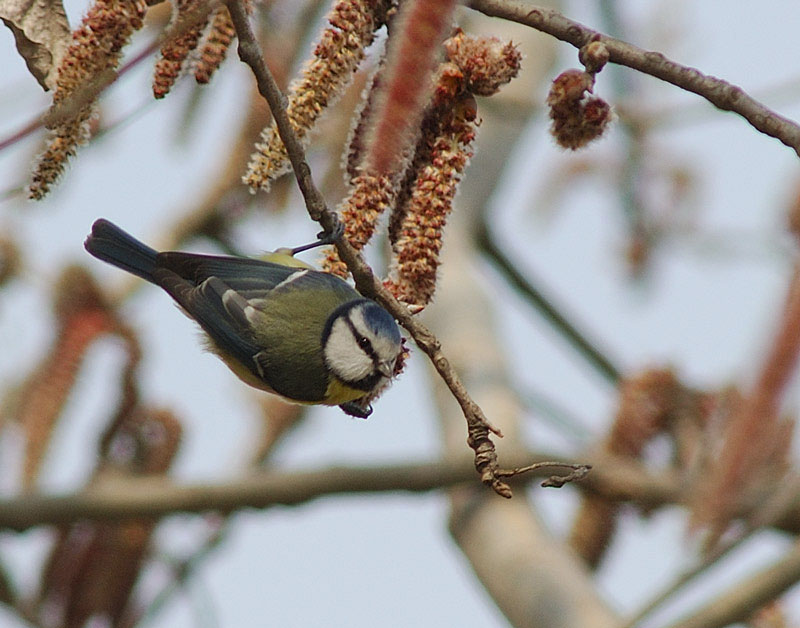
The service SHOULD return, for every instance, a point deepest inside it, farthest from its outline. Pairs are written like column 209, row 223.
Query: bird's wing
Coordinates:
column 218, row 309
column 256, row 279
column 238, row 272
column 257, row 320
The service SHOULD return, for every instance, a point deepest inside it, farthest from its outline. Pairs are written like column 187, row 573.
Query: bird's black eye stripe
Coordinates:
column 362, row 341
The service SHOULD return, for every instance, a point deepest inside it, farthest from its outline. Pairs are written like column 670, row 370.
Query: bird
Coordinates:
column 277, row 323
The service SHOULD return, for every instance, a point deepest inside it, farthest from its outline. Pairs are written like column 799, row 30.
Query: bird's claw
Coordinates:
column 353, row 408
column 323, row 239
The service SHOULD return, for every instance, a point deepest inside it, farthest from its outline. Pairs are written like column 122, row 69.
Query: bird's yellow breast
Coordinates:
column 338, row 392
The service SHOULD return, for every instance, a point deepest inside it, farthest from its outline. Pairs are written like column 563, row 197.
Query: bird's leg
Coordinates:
column 323, row 239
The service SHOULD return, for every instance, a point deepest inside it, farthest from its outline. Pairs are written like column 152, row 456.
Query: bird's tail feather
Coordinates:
column 111, row 244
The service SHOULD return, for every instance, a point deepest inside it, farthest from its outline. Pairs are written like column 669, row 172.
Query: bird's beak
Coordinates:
column 386, row 368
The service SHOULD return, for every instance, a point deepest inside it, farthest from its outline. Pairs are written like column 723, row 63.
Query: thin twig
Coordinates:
column 588, row 349
column 478, row 426
column 579, row 471
column 684, row 578
column 719, row 93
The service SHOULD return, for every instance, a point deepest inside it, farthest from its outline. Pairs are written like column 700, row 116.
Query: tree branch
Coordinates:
column 579, row 341
column 118, row 499
column 478, row 426
column 612, row 478
column 719, row 93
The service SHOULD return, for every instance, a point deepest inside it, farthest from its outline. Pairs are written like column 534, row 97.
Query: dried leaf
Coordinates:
column 42, row 34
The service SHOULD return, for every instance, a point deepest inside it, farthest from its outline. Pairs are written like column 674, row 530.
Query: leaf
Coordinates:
column 42, row 34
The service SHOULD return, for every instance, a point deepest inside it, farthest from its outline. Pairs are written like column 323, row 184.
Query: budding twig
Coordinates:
column 719, row 93
column 578, row 472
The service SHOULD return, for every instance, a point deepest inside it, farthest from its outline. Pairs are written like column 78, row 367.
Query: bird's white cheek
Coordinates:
column 344, row 357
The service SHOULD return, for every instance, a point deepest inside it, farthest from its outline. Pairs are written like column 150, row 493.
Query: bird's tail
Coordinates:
column 111, row 244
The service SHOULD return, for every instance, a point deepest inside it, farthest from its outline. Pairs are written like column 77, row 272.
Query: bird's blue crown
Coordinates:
column 381, row 322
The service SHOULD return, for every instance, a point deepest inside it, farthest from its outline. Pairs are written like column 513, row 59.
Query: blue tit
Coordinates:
column 278, row 324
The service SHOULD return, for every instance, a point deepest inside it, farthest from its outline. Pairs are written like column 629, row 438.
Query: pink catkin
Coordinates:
column 416, row 250
column 413, row 57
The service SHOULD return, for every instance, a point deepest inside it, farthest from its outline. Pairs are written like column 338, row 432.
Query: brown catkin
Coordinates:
column 213, row 50
column 337, row 55
column 176, row 49
column 487, row 63
column 449, row 87
column 412, row 58
column 577, row 118
column 81, row 316
column 647, row 405
column 416, row 250
column 370, row 195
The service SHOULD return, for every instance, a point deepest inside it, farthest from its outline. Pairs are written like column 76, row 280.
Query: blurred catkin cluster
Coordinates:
column 82, row 315
column 92, row 567
column 419, row 185
column 651, row 403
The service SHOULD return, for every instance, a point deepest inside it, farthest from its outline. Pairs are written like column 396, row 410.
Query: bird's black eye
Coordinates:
column 364, row 343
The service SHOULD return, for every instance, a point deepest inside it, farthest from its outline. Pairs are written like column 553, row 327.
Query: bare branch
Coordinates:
column 719, row 93
column 116, row 499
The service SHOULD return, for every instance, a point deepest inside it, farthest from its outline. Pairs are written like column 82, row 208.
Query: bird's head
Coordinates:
column 361, row 344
